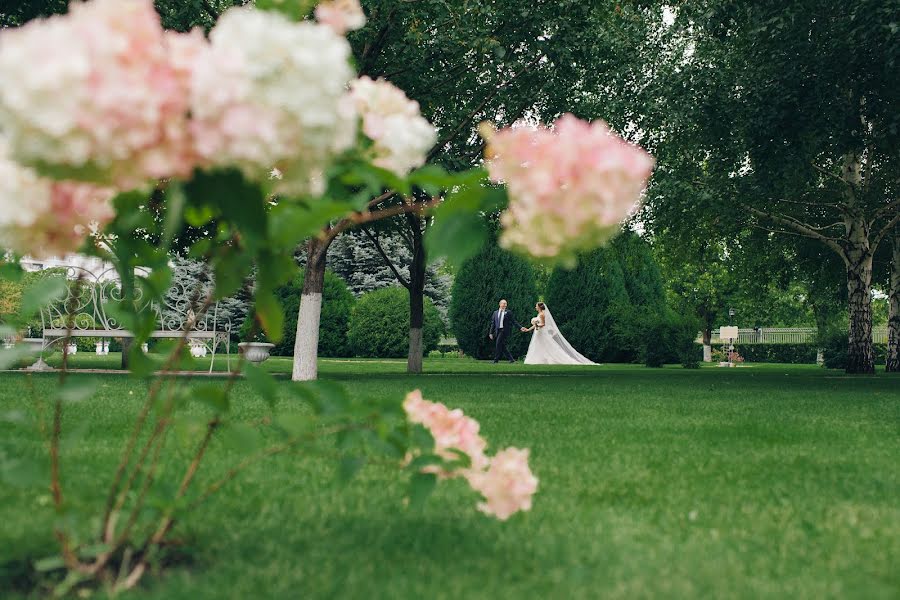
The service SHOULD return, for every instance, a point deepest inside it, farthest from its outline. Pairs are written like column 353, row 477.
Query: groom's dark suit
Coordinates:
column 502, row 323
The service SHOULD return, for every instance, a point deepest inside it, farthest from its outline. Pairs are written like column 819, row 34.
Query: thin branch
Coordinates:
column 895, row 205
column 468, row 119
column 369, row 216
column 799, row 227
column 830, row 174
column 385, row 257
column 888, row 227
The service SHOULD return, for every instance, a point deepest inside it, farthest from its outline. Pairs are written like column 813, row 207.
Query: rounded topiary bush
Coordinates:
column 337, row 305
column 481, row 283
column 379, row 325
column 587, row 301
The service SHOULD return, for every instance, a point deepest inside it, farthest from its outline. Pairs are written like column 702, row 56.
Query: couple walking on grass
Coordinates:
column 547, row 346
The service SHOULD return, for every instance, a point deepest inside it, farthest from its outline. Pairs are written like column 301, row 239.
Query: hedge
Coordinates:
column 379, row 325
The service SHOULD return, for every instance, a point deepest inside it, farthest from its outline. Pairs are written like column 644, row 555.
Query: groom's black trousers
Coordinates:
column 501, row 350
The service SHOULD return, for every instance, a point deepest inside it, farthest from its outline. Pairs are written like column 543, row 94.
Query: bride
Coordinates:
column 548, row 346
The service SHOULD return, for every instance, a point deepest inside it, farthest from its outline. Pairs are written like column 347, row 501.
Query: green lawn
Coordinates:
column 763, row 481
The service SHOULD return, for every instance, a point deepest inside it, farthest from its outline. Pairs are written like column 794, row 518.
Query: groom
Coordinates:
column 502, row 322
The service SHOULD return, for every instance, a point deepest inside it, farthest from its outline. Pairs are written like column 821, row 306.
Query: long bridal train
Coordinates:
column 549, row 347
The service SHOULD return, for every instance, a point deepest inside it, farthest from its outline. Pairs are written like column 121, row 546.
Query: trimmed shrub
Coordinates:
column 379, row 325
column 482, row 281
column 834, row 349
column 587, row 303
column 337, row 306
column 778, row 353
column 669, row 339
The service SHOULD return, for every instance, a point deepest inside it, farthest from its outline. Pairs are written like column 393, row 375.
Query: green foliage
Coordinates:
column 643, row 280
column 779, row 353
column 670, row 338
column 482, row 281
column 379, row 324
column 337, row 305
column 589, row 302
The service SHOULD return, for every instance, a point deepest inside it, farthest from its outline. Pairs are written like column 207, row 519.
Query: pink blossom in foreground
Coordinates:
column 507, row 485
column 451, row 429
column 41, row 217
column 96, row 96
column 341, row 15
column 270, row 93
column 570, row 186
column 392, row 121
column 505, row 480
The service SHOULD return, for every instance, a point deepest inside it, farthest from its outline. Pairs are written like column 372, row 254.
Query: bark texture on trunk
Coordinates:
column 416, row 298
column 858, row 260
column 306, row 344
column 707, row 345
column 892, row 364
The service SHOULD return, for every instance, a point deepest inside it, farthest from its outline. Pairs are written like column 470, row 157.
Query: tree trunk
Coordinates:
column 416, row 298
column 126, row 348
column 306, row 344
column 858, row 259
column 893, row 351
column 707, row 344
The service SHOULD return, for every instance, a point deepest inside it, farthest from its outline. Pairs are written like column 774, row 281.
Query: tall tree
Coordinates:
column 784, row 118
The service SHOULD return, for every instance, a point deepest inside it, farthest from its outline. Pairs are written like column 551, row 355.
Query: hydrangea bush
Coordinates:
column 259, row 134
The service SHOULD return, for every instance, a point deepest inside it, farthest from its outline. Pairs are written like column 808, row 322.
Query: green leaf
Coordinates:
column 51, row 563
column 296, row 425
column 175, row 202
column 76, row 389
column 433, row 179
column 10, row 357
column 291, row 223
column 41, row 293
column 241, row 436
column 457, row 236
column 295, row 10
column 24, row 472
column 11, row 271
column 270, row 315
column 139, row 364
column 72, row 437
column 424, row 460
column 262, row 382
column 230, row 269
column 213, row 396
column 420, row 487
column 349, row 467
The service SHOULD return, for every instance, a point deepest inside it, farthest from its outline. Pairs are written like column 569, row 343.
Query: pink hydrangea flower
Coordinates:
column 102, row 101
column 570, row 186
column 341, row 15
column 451, row 429
column 505, row 480
column 41, row 217
column 402, row 136
column 270, row 93
column 507, row 484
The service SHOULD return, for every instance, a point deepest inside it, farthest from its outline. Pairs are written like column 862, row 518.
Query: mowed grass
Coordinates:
column 764, row 481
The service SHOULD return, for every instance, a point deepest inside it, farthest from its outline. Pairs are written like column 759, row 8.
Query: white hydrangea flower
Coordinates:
column 402, row 136
column 268, row 94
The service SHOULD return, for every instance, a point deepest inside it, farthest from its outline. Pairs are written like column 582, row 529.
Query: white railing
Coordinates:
column 786, row 335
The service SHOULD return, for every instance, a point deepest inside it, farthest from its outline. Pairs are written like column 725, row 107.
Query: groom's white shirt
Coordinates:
column 502, row 314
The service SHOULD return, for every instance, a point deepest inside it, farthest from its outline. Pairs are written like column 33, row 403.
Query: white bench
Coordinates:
column 89, row 318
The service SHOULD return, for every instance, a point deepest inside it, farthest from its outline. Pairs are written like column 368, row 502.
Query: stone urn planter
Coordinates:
column 35, row 346
column 255, row 352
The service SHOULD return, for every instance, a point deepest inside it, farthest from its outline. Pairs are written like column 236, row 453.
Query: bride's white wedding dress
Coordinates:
column 549, row 347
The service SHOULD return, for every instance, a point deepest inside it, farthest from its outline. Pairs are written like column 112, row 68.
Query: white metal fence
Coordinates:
column 786, row 335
